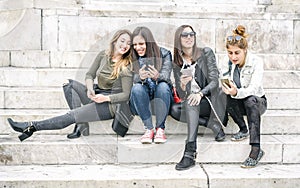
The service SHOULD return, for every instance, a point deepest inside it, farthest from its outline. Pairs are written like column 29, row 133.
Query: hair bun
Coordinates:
column 240, row 30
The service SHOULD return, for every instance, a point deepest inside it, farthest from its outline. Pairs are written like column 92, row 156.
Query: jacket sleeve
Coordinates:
column 253, row 85
column 213, row 73
column 166, row 69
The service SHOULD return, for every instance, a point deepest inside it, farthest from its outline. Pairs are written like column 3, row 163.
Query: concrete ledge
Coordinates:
column 110, row 149
column 116, row 176
column 112, row 176
column 53, row 98
column 273, row 122
column 55, row 77
column 275, row 176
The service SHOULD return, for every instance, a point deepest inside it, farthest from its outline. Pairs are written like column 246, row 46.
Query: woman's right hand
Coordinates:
column 143, row 73
column 90, row 93
column 184, row 80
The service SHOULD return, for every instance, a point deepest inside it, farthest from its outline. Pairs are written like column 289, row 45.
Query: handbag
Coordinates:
column 122, row 119
column 176, row 97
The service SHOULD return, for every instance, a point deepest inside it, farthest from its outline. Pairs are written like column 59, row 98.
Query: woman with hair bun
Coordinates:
column 245, row 92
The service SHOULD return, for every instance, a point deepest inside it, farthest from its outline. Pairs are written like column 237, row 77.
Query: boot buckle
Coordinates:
column 28, row 128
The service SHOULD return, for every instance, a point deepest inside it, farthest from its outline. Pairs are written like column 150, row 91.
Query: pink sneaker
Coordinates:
column 160, row 136
column 147, row 138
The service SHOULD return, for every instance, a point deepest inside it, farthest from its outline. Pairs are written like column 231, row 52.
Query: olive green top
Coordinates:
column 102, row 68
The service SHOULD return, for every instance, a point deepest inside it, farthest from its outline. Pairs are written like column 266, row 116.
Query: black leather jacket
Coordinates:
column 206, row 74
column 164, row 72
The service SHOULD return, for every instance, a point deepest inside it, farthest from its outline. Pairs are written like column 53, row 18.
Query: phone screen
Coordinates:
column 226, row 81
column 188, row 72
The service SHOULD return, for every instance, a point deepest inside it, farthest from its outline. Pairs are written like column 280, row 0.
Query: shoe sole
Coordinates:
column 220, row 139
column 180, row 169
column 147, row 142
column 237, row 140
column 159, row 141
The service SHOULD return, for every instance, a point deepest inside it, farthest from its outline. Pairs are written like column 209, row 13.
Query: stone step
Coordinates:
column 53, row 98
column 110, row 149
column 273, row 122
column 158, row 176
column 82, row 60
column 45, row 77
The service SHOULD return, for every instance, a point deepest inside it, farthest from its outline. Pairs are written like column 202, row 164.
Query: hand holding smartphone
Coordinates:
column 226, row 82
column 187, row 72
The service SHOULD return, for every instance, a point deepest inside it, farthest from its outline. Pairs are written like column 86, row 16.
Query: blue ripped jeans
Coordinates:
column 140, row 103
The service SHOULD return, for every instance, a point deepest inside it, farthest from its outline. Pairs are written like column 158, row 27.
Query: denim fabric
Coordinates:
column 253, row 107
column 140, row 103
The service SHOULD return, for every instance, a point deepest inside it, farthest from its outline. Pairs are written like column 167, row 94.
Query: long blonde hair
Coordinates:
column 126, row 58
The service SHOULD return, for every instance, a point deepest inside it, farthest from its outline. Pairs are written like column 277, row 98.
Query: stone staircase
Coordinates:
column 60, row 39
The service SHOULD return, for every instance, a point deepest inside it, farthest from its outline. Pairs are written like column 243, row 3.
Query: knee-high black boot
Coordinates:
column 189, row 156
column 27, row 128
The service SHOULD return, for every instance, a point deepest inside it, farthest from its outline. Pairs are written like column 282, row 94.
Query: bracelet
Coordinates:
column 201, row 94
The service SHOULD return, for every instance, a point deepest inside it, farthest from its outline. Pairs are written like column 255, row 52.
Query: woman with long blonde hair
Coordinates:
column 113, row 71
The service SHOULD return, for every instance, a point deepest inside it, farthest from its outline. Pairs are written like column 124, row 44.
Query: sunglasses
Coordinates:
column 185, row 34
column 234, row 38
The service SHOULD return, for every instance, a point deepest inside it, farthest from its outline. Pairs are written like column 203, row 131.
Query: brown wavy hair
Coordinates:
column 242, row 42
column 178, row 48
column 152, row 49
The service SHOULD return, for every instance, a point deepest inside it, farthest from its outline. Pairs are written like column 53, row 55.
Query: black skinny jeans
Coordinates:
column 253, row 107
column 90, row 111
column 185, row 113
column 76, row 94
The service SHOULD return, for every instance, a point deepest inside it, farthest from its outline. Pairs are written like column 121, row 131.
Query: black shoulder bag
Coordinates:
column 123, row 117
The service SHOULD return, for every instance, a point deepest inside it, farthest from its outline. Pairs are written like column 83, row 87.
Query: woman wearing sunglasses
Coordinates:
column 113, row 70
column 245, row 92
column 196, row 77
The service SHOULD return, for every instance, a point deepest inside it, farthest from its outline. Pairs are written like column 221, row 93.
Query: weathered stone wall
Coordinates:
column 43, row 42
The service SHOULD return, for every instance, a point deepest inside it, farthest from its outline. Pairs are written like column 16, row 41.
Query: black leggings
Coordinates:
column 193, row 115
column 253, row 107
column 83, row 109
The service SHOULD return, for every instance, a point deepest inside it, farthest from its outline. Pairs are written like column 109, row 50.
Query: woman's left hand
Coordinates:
column 100, row 98
column 194, row 99
column 232, row 90
column 153, row 73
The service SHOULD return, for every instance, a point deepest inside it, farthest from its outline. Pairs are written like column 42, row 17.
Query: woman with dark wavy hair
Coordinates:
column 152, row 66
column 196, row 78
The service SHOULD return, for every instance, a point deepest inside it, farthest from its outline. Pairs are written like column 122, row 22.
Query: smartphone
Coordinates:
column 226, row 81
column 187, row 72
column 148, row 63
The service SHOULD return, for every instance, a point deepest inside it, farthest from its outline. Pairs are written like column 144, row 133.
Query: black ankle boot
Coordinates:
column 26, row 128
column 82, row 128
column 218, row 131
column 189, row 156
